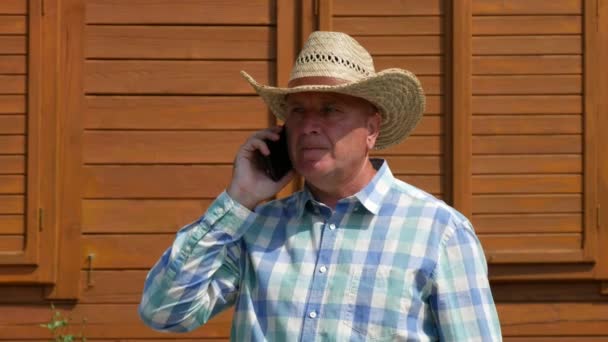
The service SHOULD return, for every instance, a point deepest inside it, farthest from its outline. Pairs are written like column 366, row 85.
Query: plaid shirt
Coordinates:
column 389, row 263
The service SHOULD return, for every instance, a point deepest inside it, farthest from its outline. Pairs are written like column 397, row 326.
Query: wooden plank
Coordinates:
column 13, row 7
column 104, row 321
column 111, row 287
column 162, row 147
column 419, row 65
column 527, row 45
column 13, row 45
column 530, row 242
column 12, row 124
column 21, row 294
column 532, row 272
column 528, row 124
column 518, row 203
column 529, row 65
column 432, row 85
column 418, row 165
column 527, row 85
column 509, row 184
column 11, row 204
column 124, row 251
column 256, row 12
column 527, row 25
column 430, row 184
column 140, row 216
column 527, row 144
column 174, row 77
column 402, row 45
column 504, row 7
column 12, row 184
column 546, row 291
column 221, row 42
column 12, row 104
column 12, row 84
column 11, row 224
column 383, row 26
column 387, row 7
column 12, row 164
column 527, row 164
column 417, row 145
column 155, row 181
column 434, row 105
column 541, row 104
column 12, row 65
column 531, row 223
column 175, row 112
column 11, row 243
column 12, row 144
column 13, row 24
column 429, row 125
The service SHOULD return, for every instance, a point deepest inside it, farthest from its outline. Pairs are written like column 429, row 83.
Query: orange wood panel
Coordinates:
column 12, row 84
column 518, row 203
column 506, row 7
column 12, row 64
column 527, row 45
column 528, row 124
column 255, row 12
column 430, row 184
column 13, row 7
column 10, row 243
column 546, row 291
column 402, row 45
column 537, row 104
column 530, row 242
column 15, row 45
column 20, row 294
column 180, row 42
column 124, row 251
column 416, row 145
column 140, row 216
column 419, row 65
column 432, row 85
column 422, row 165
column 12, row 164
column 543, row 64
column 387, row 7
column 531, row 223
column 434, row 105
column 11, row 224
column 528, row 144
column 429, row 125
column 155, row 181
column 162, row 147
column 527, row 164
column 12, row 144
column 12, row 24
column 174, row 77
column 512, row 184
column 112, row 286
column 175, row 112
column 12, row 204
column 12, row 184
column 527, row 25
column 12, row 124
column 12, row 104
column 527, row 84
column 378, row 26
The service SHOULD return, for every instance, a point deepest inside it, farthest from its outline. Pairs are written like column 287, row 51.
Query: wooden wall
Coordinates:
column 164, row 111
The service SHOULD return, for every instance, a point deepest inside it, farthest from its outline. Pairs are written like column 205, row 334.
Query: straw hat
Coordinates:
column 335, row 62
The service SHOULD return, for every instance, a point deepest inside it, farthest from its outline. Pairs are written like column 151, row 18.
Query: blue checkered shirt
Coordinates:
column 389, row 263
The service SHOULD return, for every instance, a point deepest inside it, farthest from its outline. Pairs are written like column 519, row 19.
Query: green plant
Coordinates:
column 59, row 326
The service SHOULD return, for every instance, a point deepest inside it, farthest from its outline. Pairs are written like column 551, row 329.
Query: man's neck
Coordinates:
column 329, row 193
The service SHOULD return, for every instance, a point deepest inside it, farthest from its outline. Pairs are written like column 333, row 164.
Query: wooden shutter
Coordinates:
column 509, row 136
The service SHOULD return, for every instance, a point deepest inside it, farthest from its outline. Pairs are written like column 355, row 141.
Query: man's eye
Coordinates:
column 329, row 109
column 296, row 110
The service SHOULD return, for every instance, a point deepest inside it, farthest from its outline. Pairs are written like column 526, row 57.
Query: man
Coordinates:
column 357, row 254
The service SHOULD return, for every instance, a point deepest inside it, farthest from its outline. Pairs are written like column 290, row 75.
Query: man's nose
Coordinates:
column 310, row 123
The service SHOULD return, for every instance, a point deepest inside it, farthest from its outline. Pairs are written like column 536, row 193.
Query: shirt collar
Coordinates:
column 370, row 197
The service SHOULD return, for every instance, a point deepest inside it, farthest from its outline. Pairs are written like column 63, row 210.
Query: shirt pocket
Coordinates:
column 378, row 302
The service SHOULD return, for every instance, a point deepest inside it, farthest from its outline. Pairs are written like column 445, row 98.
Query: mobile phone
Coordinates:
column 277, row 164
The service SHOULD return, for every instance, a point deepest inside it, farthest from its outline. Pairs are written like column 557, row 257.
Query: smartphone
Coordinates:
column 277, row 164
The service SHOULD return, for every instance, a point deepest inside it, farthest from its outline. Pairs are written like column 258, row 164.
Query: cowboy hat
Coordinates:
column 335, row 62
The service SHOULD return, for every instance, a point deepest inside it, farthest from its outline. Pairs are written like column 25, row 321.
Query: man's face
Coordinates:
column 329, row 134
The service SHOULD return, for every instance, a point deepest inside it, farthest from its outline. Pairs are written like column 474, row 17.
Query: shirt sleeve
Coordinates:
column 462, row 300
column 198, row 276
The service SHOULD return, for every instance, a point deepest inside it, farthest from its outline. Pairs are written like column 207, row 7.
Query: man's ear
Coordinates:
column 373, row 129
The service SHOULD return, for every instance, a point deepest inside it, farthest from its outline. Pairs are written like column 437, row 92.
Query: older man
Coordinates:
column 357, row 254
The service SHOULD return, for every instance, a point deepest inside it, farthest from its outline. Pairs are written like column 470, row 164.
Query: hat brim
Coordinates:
column 396, row 93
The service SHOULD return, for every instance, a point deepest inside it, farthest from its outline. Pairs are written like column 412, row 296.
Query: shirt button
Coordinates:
column 220, row 210
column 332, row 226
column 312, row 314
column 322, row 269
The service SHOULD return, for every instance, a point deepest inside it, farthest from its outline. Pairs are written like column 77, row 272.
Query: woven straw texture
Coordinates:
column 396, row 93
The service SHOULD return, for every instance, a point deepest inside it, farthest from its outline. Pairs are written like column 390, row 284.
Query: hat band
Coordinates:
column 315, row 81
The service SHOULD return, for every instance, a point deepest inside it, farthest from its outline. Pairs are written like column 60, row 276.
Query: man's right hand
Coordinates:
column 250, row 185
